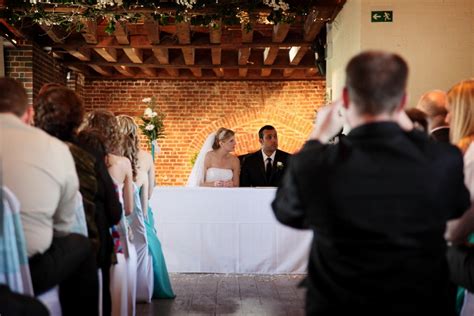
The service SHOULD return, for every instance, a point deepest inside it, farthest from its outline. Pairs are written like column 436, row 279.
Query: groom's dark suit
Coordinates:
column 378, row 202
column 252, row 172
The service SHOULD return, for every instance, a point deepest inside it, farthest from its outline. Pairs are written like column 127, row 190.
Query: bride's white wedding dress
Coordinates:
column 218, row 174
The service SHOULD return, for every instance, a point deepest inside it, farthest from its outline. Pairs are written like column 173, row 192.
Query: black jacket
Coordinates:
column 378, row 202
column 252, row 173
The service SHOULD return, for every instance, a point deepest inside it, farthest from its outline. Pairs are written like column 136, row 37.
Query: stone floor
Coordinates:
column 230, row 294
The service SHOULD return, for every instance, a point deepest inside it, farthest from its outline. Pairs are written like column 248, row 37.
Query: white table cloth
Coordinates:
column 226, row 230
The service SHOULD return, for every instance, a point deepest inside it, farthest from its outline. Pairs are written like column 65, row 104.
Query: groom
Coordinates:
column 266, row 166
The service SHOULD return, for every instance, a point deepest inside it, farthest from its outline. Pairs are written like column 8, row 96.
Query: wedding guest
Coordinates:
column 379, row 248
column 266, row 166
column 120, row 170
column 460, row 108
column 433, row 103
column 144, row 180
column 418, row 118
column 59, row 112
column 40, row 171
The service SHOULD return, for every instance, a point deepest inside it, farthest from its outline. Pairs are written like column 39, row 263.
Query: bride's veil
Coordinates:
column 196, row 176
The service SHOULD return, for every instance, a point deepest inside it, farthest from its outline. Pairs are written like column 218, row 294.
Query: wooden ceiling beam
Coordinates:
column 152, row 72
column 152, row 29
column 173, row 72
column 219, row 72
column 188, row 54
column 269, row 55
column 311, row 72
column 109, row 54
column 244, row 54
column 216, row 56
column 266, row 72
column 296, row 53
column 121, row 33
column 134, row 54
column 243, row 72
column 101, row 70
column 161, row 55
column 140, row 41
column 54, row 33
column 280, row 63
column 83, row 54
column 316, row 19
column 183, row 32
column 287, row 72
column 247, row 34
column 280, row 30
column 125, row 70
column 197, row 72
column 89, row 31
column 215, row 32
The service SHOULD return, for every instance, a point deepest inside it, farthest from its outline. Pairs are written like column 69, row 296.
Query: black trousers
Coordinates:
column 13, row 304
column 69, row 263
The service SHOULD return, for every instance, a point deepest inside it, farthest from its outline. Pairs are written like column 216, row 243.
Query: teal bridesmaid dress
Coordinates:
column 162, row 285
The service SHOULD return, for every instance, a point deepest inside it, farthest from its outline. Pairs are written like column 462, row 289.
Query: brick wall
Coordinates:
column 196, row 108
column 33, row 67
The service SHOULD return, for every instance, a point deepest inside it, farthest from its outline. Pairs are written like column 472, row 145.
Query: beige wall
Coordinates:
column 435, row 36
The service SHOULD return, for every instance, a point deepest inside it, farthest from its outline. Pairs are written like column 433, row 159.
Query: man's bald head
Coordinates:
column 433, row 103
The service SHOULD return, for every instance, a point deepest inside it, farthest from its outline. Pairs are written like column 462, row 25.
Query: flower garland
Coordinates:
column 45, row 12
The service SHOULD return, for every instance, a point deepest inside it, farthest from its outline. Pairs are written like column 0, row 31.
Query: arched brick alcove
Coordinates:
column 196, row 108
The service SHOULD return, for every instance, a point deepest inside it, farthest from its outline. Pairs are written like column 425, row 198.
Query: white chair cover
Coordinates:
column 14, row 269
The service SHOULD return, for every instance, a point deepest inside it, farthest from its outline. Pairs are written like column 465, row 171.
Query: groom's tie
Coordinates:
column 268, row 169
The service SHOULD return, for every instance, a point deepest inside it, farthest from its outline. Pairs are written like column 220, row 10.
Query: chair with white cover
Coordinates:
column 14, row 269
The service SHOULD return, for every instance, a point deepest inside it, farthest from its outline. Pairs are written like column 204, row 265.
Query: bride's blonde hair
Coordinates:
column 222, row 134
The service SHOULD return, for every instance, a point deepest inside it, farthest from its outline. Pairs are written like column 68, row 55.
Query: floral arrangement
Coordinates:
column 152, row 121
column 71, row 14
column 280, row 165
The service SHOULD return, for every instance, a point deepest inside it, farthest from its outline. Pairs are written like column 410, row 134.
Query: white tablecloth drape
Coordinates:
column 226, row 230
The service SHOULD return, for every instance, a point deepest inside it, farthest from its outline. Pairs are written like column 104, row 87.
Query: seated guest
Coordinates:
column 266, row 166
column 418, row 118
column 215, row 166
column 59, row 112
column 39, row 169
column 433, row 103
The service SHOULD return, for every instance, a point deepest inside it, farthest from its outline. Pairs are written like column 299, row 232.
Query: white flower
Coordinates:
column 280, row 165
column 148, row 112
column 146, row 100
column 150, row 127
column 154, row 114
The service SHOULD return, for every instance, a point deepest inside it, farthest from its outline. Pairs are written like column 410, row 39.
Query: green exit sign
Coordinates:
column 381, row 16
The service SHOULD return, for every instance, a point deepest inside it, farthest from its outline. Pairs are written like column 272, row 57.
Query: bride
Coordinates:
column 215, row 166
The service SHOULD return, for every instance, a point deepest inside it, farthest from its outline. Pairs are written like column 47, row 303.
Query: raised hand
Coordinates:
column 328, row 122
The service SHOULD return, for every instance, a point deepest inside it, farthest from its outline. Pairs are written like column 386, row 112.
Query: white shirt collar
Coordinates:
column 265, row 157
column 438, row 128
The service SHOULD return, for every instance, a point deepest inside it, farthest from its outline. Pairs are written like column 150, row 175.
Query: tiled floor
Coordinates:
column 230, row 294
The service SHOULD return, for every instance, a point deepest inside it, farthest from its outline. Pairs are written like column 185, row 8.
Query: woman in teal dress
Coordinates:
column 143, row 162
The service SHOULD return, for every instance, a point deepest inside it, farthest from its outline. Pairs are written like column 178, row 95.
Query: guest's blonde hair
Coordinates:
column 128, row 128
column 461, row 103
column 222, row 134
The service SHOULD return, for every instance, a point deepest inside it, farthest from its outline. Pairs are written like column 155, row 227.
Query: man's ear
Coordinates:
column 345, row 98
column 260, row 140
column 28, row 116
column 403, row 102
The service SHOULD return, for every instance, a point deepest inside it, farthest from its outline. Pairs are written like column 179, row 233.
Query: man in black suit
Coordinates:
column 266, row 166
column 378, row 201
column 433, row 104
